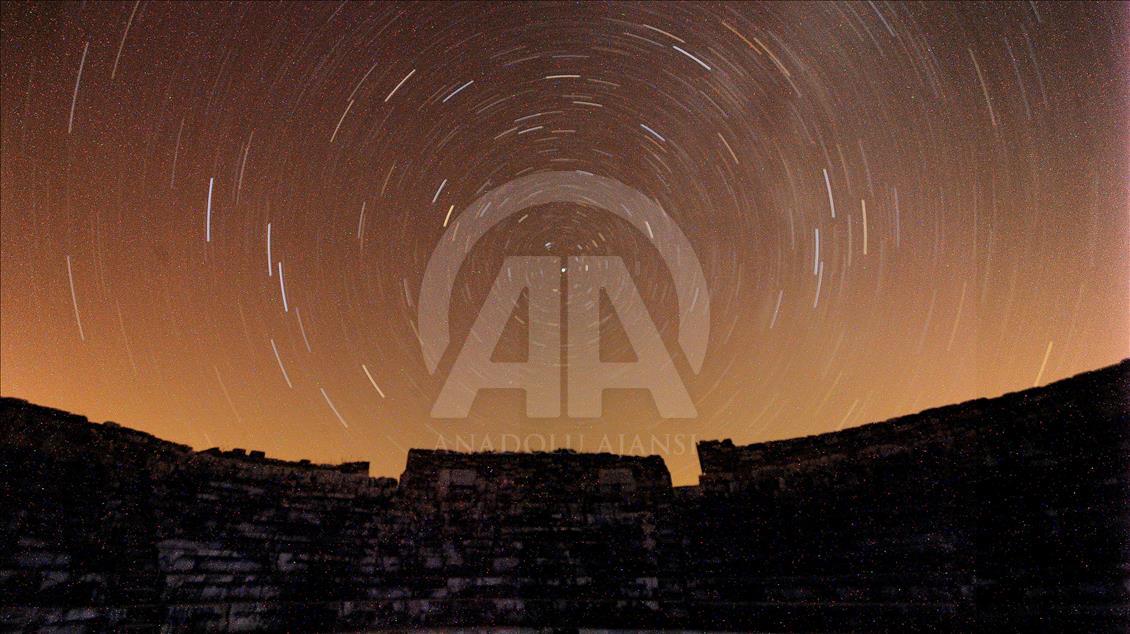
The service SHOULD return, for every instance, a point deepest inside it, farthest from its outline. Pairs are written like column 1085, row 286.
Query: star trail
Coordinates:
column 896, row 206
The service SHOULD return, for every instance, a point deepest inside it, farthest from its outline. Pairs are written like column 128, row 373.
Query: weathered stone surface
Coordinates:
column 1010, row 513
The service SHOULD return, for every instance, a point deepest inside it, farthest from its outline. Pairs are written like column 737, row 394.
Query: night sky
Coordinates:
column 895, row 206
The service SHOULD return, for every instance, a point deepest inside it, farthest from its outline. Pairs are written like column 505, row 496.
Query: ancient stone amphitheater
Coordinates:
column 1008, row 514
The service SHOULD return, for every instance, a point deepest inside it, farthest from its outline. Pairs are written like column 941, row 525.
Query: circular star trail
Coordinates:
column 216, row 217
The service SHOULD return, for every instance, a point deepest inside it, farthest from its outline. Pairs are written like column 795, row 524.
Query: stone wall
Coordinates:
column 104, row 526
column 1009, row 513
column 536, row 538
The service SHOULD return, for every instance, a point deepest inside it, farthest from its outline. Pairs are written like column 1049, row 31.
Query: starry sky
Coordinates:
column 216, row 217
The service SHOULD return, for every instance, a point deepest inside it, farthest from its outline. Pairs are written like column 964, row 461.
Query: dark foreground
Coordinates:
column 1009, row 514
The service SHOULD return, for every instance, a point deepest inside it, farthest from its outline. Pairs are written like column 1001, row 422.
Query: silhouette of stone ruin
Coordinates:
column 1006, row 514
